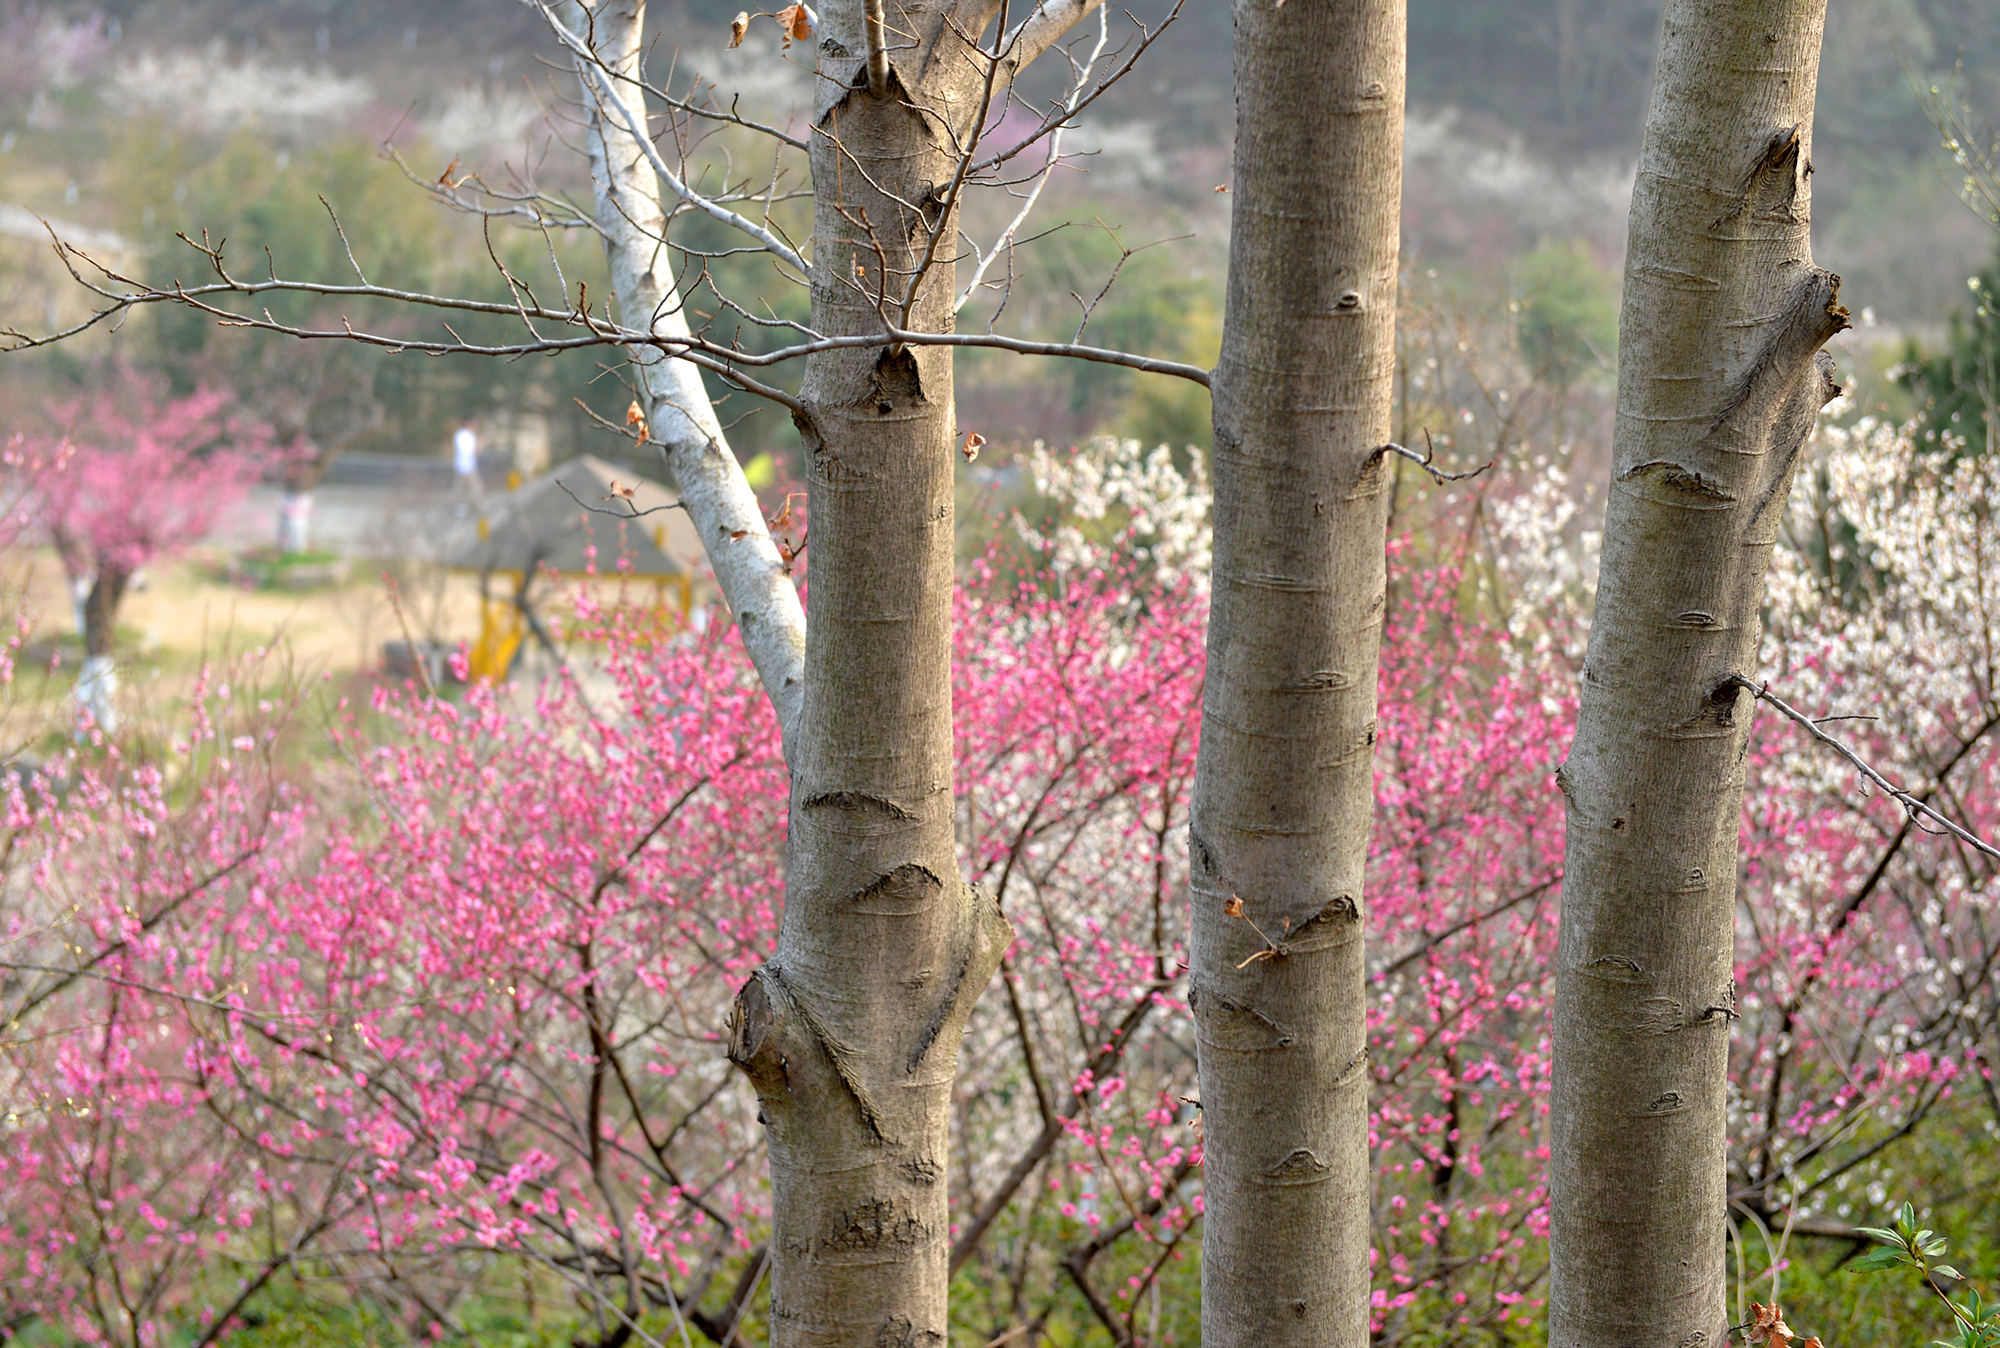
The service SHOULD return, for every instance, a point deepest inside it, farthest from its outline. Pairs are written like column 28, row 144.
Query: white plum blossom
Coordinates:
column 1159, row 513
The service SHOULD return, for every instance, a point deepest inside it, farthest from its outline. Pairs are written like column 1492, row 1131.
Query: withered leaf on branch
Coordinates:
column 796, row 20
column 973, row 440
column 738, row 26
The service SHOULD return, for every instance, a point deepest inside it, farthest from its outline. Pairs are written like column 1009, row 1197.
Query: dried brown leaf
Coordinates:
column 1767, row 1328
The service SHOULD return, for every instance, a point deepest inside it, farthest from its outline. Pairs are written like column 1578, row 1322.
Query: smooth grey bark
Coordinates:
column 1721, row 378
column 753, row 577
column 851, row 1031
column 1284, row 788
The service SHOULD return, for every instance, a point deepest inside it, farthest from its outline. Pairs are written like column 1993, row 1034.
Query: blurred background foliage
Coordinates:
column 134, row 119
column 1957, row 383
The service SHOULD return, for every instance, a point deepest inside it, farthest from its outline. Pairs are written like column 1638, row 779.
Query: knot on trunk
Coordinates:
column 897, row 383
column 752, row 1042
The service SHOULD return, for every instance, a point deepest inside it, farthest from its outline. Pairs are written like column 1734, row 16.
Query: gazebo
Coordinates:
column 585, row 519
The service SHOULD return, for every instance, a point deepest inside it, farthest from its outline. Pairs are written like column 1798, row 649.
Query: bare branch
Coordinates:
column 1064, row 117
column 601, row 78
column 1916, row 809
column 1044, row 28
column 716, row 357
column 345, row 246
column 878, row 49
column 1069, row 107
column 1073, row 350
column 535, row 209
column 732, row 117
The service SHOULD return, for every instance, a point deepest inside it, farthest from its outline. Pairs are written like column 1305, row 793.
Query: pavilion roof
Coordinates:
column 554, row 522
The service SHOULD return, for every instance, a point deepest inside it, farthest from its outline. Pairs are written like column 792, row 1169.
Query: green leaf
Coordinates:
column 1906, row 1218
column 1875, row 1260
column 1886, row 1237
column 1933, row 1247
column 1947, row 1271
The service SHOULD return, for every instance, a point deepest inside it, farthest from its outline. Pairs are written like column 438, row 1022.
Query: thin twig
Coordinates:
column 345, row 246
column 1427, row 461
column 631, row 512
column 419, row 654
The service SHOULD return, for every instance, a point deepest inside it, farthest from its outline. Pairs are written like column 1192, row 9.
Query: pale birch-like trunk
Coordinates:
column 1721, row 378
column 753, row 578
column 1284, row 790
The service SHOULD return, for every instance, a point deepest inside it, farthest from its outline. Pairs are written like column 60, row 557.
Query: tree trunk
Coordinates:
column 100, row 611
column 1720, row 380
column 851, row 1032
column 753, row 578
column 1284, row 790
column 97, row 678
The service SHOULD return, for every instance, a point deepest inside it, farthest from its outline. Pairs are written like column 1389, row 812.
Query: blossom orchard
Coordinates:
column 438, row 1027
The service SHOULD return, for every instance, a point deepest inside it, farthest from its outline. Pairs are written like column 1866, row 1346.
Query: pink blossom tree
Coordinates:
column 134, row 478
